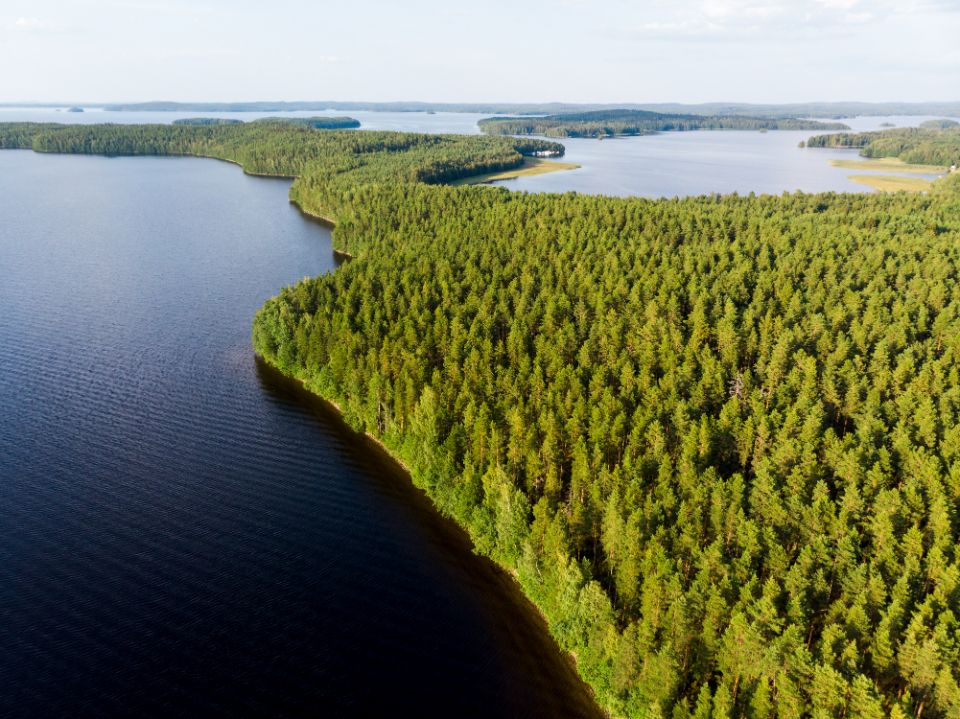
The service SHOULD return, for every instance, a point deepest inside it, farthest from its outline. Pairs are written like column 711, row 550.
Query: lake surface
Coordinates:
column 462, row 123
column 674, row 164
column 183, row 532
column 678, row 164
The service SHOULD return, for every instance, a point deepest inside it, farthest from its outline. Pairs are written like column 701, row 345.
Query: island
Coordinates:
column 931, row 149
column 614, row 123
column 74, row 109
column 713, row 439
column 317, row 123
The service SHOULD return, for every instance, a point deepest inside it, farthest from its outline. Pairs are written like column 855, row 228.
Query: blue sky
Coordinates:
column 485, row 50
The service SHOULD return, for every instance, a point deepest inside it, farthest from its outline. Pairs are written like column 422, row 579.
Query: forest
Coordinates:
column 716, row 439
column 611, row 123
column 317, row 123
column 207, row 121
column 291, row 149
column 930, row 145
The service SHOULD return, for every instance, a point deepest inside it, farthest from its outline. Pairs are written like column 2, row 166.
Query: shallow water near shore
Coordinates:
column 182, row 530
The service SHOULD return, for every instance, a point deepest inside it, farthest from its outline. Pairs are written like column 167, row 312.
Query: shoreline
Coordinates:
column 327, row 222
column 388, row 455
column 401, row 473
column 535, row 620
column 893, row 183
column 530, row 167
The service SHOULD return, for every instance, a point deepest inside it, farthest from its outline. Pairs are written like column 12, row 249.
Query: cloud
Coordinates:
column 741, row 9
column 27, row 24
column 839, row 4
column 723, row 20
column 168, row 7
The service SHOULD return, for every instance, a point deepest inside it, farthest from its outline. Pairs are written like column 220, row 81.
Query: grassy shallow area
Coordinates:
column 890, row 164
column 531, row 166
column 893, row 183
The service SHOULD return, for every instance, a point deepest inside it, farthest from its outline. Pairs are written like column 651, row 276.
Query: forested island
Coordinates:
column 611, row 123
column 929, row 145
column 317, row 123
column 716, row 439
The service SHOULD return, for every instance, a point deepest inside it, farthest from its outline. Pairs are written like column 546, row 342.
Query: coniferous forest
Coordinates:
column 716, row 439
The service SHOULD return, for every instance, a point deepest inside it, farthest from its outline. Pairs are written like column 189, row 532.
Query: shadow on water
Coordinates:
column 516, row 626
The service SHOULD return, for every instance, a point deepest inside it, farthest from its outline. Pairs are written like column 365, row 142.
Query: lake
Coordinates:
column 462, row 123
column 674, row 164
column 183, row 532
column 678, row 164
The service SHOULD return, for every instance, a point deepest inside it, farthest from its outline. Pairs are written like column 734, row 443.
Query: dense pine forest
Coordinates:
column 942, row 124
column 291, row 149
column 928, row 145
column 716, row 439
column 610, row 123
column 317, row 123
column 207, row 121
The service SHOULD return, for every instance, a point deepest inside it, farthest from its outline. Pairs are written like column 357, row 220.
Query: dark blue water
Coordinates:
column 182, row 532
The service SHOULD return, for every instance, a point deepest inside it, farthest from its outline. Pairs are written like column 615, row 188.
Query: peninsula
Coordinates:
column 713, row 438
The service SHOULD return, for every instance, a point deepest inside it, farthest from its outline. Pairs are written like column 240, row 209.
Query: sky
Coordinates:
column 480, row 51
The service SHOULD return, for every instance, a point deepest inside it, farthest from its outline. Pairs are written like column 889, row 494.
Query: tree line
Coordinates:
column 317, row 123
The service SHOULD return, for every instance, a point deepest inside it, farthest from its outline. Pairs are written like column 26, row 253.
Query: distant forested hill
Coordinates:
column 609, row 123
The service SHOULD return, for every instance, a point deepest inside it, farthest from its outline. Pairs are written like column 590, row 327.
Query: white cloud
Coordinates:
column 722, row 20
column 742, row 9
column 27, row 23
column 839, row 4
column 169, row 7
